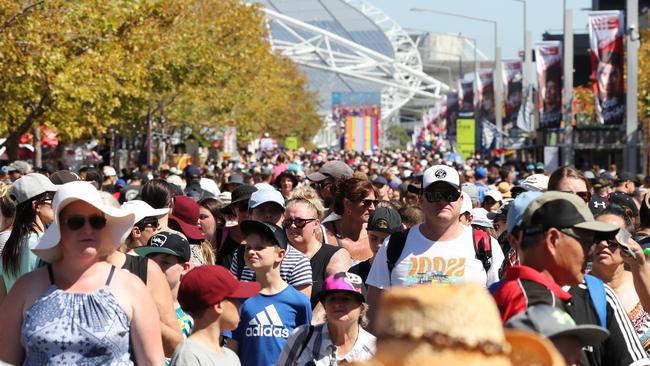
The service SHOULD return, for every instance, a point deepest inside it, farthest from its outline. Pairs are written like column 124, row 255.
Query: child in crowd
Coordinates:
column 269, row 318
column 210, row 293
column 171, row 251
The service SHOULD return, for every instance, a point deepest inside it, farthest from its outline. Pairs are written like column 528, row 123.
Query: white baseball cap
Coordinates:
column 494, row 194
column 480, row 218
column 535, row 183
column 141, row 209
column 441, row 173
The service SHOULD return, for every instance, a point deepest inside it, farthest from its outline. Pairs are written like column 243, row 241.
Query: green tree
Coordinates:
column 398, row 135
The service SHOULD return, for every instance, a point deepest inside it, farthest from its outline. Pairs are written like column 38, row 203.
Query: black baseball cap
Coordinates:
column 597, row 204
column 240, row 194
column 169, row 243
column 385, row 219
column 624, row 201
column 266, row 229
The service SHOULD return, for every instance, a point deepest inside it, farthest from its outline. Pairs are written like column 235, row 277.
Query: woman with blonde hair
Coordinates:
column 7, row 213
column 304, row 210
column 78, row 308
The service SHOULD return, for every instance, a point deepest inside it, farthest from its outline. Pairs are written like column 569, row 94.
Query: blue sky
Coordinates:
column 542, row 15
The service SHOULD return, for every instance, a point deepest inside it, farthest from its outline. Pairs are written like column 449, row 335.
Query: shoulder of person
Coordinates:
column 30, row 286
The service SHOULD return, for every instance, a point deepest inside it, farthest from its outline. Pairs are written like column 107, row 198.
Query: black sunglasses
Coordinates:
column 300, row 223
column 76, row 222
column 450, row 195
column 368, row 202
column 146, row 222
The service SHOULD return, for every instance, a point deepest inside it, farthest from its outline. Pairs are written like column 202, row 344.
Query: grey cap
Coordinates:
column 20, row 166
column 332, row 169
column 552, row 322
column 473, row 191
column 29, row 186
column 385, row 219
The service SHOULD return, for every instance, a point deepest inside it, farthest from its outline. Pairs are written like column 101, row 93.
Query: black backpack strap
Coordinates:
column 396, row 243
column 482, row 247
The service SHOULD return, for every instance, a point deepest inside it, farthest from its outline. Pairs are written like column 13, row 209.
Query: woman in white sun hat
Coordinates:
column 78, row 308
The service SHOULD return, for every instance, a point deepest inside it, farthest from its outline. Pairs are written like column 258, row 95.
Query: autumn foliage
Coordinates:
column 84, row 67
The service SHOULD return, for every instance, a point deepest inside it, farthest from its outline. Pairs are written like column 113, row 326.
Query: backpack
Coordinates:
column 481, row 241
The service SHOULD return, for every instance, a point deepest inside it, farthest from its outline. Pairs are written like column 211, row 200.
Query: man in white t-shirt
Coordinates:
column 441, row 250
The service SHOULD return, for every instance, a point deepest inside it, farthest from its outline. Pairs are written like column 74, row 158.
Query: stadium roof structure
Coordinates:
column 350, row 46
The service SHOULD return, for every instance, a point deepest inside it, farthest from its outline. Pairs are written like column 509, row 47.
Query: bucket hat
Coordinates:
column 118, row 221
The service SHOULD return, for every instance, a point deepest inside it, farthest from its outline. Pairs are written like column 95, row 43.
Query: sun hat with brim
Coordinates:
column 118, row 221
column 141, row 209
column 552, row 322
column 29, row 186
column 562, row 210
column 439, row 325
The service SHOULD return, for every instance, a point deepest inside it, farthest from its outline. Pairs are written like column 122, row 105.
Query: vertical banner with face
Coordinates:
column 512, row 80
column 548, row 56
column 486, row 95
column 606, row 40
column 466, row 99
column 452, row 114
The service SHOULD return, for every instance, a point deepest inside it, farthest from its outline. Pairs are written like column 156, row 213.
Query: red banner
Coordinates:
column 606, row 39
column 548, row 56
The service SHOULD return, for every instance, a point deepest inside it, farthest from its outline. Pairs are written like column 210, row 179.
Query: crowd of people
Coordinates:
column 323, row 258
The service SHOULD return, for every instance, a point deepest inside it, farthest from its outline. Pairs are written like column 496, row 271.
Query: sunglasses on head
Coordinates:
column 586, row 196
column 300, row 223
column 76, row 222
column 449, row 195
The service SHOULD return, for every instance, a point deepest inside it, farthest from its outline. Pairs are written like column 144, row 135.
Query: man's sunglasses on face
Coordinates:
column 442, row 195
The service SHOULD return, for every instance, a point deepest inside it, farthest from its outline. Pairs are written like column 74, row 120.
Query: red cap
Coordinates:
column 207, row 285
column 186, row 215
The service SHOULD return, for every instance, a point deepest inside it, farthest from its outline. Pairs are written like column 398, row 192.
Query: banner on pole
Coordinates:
column 513, row 82
column 606, row 39
column 485, row 86
column 466, row 137
column 357, row 115
column 452, row 114
column 548, row 56
column 466, row 99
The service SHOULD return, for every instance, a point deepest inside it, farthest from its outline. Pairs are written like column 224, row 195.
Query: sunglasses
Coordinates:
column 147, row 222
column 300, row 223
column 440, row 196
column 76, row 222
column 586, row 196
column 368, row 202
column 321, row 185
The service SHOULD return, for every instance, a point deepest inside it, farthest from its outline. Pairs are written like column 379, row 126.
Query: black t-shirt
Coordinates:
column 226, row 248
column 319, row 262
column 622, row 347
column 137, row 265
column 362, row 269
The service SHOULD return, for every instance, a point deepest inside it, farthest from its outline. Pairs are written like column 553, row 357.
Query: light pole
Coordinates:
column 497, row 63
column 527, row 51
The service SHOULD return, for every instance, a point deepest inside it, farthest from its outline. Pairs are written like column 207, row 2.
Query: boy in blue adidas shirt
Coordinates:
column 269, row 318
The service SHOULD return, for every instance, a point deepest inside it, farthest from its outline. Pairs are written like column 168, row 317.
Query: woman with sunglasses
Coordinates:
column 79, row 309
column 354, row 202
column 32, row 194
column 570, row 180
column 628, row 277
column 302, row 225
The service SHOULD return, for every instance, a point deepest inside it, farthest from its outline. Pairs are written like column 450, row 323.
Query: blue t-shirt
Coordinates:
column 266, row 323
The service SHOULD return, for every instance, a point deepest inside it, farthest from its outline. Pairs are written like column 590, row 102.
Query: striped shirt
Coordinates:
column 294, row 270
column 319, row 348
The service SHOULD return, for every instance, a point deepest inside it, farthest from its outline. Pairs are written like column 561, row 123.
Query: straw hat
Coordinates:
column 118, row 221
column 452, row 325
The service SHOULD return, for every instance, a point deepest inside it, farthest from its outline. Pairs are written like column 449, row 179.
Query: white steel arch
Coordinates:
column 317, row 48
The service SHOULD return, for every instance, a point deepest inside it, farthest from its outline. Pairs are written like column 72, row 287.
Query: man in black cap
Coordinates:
column 627, row 204
column 230, row 238
column 558, row 233
column 625, row 183
column 193, row 188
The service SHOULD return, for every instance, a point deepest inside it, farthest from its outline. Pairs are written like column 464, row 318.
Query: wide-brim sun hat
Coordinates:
column 118, row 221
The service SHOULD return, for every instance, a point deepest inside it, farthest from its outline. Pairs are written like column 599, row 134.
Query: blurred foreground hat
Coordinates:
column 439, row 325
column 332, row 169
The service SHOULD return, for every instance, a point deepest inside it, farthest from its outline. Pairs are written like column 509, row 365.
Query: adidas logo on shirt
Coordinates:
column 267, row 323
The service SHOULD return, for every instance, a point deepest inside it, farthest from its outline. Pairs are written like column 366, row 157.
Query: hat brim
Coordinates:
column 587, row 334
column 317, row 177
column 257, row 227
column 529, row 348
column 323, row 294
column 440, row 182
column 597, row 226
column 118, row 226
column 148, row 250
column 246, row 290
column 191, row 231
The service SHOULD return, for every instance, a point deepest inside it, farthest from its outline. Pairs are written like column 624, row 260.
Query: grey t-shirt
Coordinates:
column 190, row 353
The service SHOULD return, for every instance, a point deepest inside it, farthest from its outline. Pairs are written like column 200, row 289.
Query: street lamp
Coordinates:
column 527, row 51
column 497, row 61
